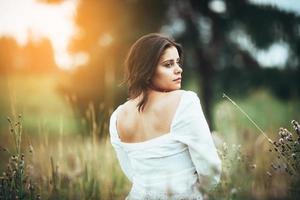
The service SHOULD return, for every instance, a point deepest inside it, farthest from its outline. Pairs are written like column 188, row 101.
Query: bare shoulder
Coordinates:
column 156, row 119
column 127, row 108
column 175, row 94
column 130, row 106
column 125, row 119
column 167, row 103
column 172, row 97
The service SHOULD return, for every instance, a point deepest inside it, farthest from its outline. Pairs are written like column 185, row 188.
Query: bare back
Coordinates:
column 154, row 121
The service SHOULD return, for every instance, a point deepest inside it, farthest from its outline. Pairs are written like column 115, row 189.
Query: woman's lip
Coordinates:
column 178, row 79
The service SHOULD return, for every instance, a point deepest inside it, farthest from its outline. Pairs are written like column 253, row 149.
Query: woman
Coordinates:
column 160, row 135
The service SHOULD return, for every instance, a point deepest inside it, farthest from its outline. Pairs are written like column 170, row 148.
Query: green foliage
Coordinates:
column 268, row 111
column 283, row 84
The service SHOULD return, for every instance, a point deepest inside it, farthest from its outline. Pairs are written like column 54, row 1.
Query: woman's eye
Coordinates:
column 168, row 64
column 171, row 64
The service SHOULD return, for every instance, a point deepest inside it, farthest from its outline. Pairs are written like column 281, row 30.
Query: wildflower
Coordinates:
column 273, row 166
column 276, row 144
column 233, row 191
column 282, row 133
column 294, row 156
column 286, row 169
column 225, row 148
column 281, row 141
column 289, row 138
column 253, row 166
column 296, row 127
column 15, row 176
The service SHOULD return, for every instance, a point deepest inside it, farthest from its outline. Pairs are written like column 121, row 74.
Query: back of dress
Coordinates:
column 172, row 165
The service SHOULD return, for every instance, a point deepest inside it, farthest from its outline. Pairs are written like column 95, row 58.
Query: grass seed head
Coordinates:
column 8, row 119
column 273, row 166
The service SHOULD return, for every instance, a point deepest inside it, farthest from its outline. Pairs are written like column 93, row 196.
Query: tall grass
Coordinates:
column 70, row 168
column 14, row 182
column 285, row 164
column 66, row 166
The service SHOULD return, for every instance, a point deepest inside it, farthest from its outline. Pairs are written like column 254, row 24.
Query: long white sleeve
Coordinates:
column 192, row 129
column 121, row 154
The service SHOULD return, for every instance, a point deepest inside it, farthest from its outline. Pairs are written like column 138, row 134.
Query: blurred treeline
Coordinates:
column 34, row 57
column 214, row 62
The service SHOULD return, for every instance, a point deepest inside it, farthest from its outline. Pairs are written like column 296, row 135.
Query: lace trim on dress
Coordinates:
column 164, row 196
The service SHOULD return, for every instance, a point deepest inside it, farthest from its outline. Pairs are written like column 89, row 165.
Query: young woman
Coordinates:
column 160, row 135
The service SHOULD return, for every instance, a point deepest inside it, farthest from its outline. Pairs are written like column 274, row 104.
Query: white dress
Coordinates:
column 174, row 165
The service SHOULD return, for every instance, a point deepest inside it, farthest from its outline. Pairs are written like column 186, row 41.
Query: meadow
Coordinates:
column 45, row 157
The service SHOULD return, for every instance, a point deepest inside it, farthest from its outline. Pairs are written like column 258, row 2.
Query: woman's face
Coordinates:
column 167, row 76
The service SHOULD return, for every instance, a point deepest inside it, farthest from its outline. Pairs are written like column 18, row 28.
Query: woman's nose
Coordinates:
column 178, row 69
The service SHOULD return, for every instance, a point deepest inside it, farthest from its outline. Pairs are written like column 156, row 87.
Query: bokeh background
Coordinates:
column 61, row 68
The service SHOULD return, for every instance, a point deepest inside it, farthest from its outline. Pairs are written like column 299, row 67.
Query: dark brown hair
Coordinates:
column 141, row 63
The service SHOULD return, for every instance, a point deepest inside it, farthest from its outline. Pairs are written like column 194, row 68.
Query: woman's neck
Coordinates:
column 155, row 89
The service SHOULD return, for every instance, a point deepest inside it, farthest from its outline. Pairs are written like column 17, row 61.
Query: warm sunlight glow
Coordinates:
column 24, row 19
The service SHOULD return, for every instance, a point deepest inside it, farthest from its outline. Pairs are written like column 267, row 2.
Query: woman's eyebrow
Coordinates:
column 170, row 60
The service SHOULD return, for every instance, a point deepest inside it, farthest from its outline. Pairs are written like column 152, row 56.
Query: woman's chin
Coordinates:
column 177, row 86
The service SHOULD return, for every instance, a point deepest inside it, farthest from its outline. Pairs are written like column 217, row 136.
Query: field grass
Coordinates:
column 269, row 113
column 73, row 168
column 65, row 165
column 249, row 171
column 36, row 98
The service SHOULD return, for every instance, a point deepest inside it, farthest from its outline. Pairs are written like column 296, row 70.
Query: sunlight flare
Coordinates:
column 32, row 20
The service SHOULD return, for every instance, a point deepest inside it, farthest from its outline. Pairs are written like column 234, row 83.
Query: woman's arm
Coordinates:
column 192, row 129
column 121, row 154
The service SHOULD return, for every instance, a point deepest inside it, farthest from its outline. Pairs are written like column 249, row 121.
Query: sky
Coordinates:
column 23, row 18
column 287, row 5
column 277, row 53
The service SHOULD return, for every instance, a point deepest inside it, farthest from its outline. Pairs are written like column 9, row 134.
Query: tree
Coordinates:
column 208, row 36
column 107, row 28
column 38, row 57
column 8, row 48
column 106, row 31
column 34, row 57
